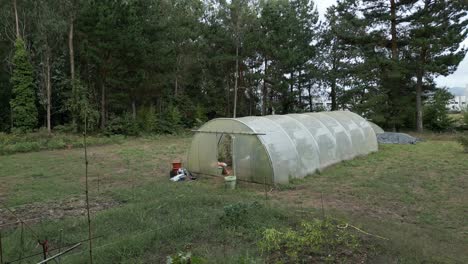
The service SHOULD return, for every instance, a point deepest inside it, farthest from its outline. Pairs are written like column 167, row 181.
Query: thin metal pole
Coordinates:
column 22, row 240
column 233, row 154
column 1, row 249
column 87, row 192
column 60, row 245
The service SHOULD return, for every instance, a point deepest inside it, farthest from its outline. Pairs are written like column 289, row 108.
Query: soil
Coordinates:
column 302, row 197
column 37, row 212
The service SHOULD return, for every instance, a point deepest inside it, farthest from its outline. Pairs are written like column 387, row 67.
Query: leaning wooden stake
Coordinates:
column 87, row 192
column 59, row 254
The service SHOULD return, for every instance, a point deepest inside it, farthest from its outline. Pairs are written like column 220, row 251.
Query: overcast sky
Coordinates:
column 457, row 79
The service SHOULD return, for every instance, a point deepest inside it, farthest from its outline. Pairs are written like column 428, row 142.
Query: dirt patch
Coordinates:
column 37, row 212
column 302, row 197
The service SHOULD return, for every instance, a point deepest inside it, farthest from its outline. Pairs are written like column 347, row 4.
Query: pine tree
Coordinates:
column 23, row 102
column 437, row 29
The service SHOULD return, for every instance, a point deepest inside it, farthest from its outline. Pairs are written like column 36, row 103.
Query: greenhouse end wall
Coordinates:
column 277, row 148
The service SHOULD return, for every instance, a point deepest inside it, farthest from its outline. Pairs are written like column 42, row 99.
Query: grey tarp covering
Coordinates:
column 290, row 146
column 396, row 138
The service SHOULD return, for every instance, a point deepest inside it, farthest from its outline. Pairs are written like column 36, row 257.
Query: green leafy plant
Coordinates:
column 236, row 215
column 122, row 125
column 314, row 241
column 184, row 258
column 465, row 117
column 436, row 116
column 463, row 140
column 23, row 106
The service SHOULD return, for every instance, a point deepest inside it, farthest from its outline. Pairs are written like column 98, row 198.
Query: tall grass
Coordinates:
column 37, row 141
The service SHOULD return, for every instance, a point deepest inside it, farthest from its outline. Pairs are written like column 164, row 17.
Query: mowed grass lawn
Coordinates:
column 414, row 195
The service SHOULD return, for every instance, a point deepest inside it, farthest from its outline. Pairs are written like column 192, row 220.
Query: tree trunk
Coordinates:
column 72, row 69
column 299, row 91
column 419, row 84
column 309, row 89
column 419, row 115
column 235, row 81
column 176, row 86
column 394, row 30
column 334, row 105
column 103, row 105
column 133, row 109
column 265, row 91
column 392, row 95
column 49, row 91
column 16, row 19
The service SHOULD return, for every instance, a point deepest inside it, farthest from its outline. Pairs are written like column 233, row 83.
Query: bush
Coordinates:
column 463, row 140
column 237, row 215
column 122, row 125
column 465, row 117
column 436, row 116
column 315, row 241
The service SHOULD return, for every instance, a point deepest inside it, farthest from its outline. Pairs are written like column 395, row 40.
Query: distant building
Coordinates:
column 321, row 103
column 460, row 99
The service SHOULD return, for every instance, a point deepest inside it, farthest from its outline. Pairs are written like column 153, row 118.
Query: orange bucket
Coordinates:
column 176, row 165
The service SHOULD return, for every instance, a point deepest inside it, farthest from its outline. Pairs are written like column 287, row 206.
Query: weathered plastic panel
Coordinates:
column 292, row 146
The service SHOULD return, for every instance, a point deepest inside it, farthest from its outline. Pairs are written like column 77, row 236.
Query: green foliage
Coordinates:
column 184, row 258
column 42, row 140
column 122, row 125
column 180, row 57
column 237, row 215
column 200, row 115
column 23, row 102
column 465, row 117
column 436, row 115
column 463, row 140
column 315, row 241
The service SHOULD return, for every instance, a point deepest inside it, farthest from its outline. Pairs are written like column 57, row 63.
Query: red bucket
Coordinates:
column 176, row 165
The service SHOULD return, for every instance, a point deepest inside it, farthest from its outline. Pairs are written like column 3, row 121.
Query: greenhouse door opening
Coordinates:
column 224, row 155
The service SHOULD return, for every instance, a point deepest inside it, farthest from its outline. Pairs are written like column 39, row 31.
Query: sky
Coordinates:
column 458, row 79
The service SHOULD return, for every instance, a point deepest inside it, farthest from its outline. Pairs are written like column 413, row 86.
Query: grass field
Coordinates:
column 414, row 195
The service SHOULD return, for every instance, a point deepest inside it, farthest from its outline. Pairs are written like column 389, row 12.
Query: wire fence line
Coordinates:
column 183, row 217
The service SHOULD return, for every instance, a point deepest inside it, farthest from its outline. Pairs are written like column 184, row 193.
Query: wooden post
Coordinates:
column 44, row 249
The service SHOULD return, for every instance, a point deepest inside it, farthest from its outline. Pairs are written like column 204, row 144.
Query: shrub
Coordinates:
column 315, row 241
column 237, row 215
column 463, row 140
column 122, row 125
column 436, row 116
column 465, row 117
column 41, row 140
column 184, row 258
column 67, row 128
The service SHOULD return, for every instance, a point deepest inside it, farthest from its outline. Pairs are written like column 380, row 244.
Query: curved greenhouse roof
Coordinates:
column 276, row 148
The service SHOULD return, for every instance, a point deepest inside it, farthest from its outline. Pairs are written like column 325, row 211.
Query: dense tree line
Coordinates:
column 159, row 65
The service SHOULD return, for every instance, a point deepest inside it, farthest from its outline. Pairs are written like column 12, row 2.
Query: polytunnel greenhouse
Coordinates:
column 276, row 148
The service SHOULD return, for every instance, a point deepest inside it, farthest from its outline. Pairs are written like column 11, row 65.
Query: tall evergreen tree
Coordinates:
column 437, row 29
column 23, row 102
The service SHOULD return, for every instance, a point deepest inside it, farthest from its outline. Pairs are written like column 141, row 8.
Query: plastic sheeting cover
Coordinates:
column 290, row 146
